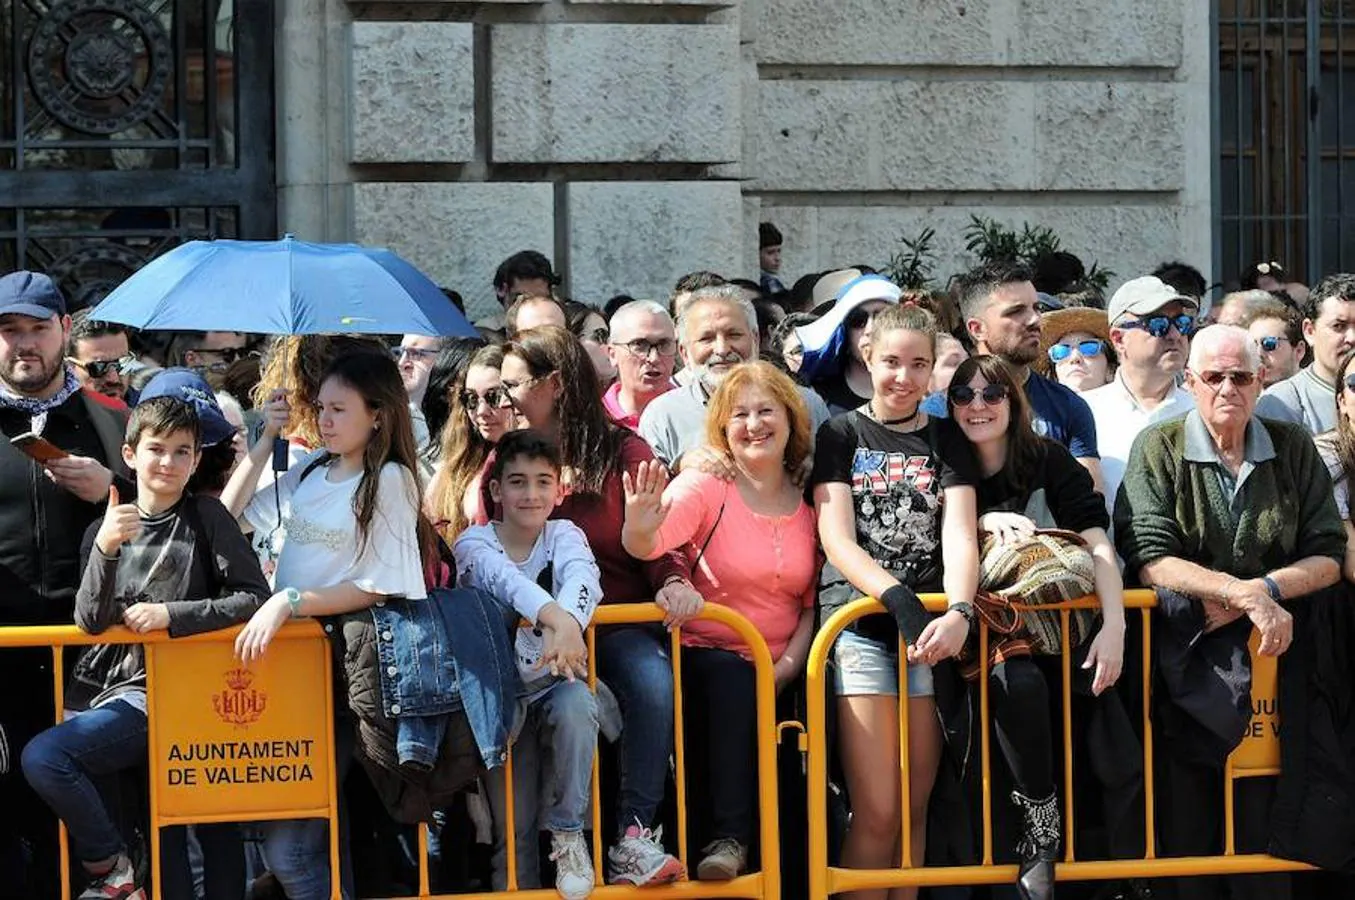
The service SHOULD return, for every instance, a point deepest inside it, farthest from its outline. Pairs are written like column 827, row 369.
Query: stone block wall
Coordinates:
column 635, row 140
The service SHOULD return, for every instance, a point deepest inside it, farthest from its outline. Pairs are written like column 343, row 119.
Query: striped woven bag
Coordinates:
column 1051, row 566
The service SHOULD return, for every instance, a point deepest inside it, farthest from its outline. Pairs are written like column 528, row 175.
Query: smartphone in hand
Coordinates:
column 37, row 447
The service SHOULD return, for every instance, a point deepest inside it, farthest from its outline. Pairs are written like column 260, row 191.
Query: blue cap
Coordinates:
column 30, row 294
column 188, row 386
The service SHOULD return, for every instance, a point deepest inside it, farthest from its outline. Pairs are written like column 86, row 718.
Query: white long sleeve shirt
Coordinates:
column 560, row 558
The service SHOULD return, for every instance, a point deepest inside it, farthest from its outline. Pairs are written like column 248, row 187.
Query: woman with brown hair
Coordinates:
column 554, row 390
column 481, row 413
column 758, row 556
column 357, row 539
column 1029, row 482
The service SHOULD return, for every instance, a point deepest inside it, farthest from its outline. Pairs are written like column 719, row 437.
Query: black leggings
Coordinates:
column 1018, row 700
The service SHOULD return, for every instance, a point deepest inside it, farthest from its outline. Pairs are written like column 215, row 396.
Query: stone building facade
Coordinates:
column 634, row 141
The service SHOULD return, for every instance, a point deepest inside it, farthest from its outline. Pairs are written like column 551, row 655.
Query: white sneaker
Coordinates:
column 118, row 883
column 725, row 858
column 639, row 859
column 573, row 866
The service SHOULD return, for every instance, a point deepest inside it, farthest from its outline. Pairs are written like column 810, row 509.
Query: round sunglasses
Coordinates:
column 1271, row 344
column 1059, row 352
column 964, row 395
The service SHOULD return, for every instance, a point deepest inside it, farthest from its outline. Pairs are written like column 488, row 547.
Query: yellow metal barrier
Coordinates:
column 226, row 743
column 212, row 698
column 764, row 884
column 1258, row 755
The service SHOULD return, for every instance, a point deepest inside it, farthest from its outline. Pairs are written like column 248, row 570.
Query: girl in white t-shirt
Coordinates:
column 354, row 534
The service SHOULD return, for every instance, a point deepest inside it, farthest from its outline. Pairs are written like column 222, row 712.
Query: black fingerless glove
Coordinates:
column 908, row 612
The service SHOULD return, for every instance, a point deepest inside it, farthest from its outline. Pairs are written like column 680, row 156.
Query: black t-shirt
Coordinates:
column 1075, row 503
column 896, row 480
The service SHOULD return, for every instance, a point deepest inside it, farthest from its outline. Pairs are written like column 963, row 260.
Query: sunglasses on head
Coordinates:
column 497, row 398
column 858, row 317
column 1271, row 344
column 1158, row 326
column 1059, row 352
column 963, row 394
column 98, row 368
column 1239, row 379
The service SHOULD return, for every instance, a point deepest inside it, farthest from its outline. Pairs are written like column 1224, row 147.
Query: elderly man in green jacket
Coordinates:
column 1227, row 516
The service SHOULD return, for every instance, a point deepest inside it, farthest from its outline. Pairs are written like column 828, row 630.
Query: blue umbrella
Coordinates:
column 283, row 287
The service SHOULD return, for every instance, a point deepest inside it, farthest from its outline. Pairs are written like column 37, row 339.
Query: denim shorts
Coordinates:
column 862, row 666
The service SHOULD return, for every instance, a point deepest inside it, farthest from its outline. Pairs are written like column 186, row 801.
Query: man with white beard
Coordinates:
column 717, row 330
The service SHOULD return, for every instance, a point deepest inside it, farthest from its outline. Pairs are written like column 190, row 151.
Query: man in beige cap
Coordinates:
column 1150, row 327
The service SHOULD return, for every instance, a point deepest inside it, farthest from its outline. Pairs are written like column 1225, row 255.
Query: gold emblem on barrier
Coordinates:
column 239, row 704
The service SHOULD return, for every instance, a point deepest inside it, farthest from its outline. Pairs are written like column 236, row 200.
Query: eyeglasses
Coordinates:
column 597, row 335
column 642, row 348
column 1157, row 326
column 964, row 395
column 228, row 354
column 1059, row 352
column 497, row 398
column 1216, row 379
column 98, row 368
column 516, row 387
column 1271, row 344
column 417, row 354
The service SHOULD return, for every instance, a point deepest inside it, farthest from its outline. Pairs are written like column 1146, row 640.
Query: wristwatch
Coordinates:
column 1273, row 587
column 293, row 601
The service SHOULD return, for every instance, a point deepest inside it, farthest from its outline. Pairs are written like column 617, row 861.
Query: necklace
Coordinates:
column 870, row 407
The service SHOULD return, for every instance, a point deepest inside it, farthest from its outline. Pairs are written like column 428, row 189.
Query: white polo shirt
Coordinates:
column 1120, row 419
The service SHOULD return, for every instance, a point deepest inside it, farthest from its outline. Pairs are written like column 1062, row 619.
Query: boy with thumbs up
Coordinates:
column 170, row 561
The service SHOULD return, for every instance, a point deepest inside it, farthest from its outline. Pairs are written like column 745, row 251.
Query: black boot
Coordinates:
column 1039, row 846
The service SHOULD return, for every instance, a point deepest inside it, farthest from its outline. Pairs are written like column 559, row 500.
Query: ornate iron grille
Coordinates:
column 128, row 126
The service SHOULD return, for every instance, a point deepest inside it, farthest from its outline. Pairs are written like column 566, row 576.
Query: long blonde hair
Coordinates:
column 464, row 452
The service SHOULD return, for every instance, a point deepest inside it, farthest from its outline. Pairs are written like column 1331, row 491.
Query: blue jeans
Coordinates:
column 296, row 851
column 552, row 771
column 633, row 660
column 60, row 763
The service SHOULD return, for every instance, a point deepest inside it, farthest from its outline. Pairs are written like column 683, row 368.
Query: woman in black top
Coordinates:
column 895, row 500
column 1020, row 473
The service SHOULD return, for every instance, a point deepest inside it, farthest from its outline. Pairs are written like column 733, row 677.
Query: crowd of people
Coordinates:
column 778, row 452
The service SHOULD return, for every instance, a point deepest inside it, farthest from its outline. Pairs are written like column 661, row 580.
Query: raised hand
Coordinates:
column 277, row 412
column 121, row 523
column 646, row 509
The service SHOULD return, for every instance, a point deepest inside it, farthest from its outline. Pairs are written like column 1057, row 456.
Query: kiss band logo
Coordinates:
column 239, row 704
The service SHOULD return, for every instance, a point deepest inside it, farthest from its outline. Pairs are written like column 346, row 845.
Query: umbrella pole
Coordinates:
column 280, row 442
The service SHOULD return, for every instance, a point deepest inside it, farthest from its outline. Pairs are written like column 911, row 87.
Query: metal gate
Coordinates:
column 129, row 126
column 1285, row 133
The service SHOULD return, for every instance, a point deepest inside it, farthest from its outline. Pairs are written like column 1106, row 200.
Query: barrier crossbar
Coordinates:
column 825, row 879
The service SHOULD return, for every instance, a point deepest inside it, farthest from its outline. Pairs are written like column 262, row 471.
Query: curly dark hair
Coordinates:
column 1340, row 286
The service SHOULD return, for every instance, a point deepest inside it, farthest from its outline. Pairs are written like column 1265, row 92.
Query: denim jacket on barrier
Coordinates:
column 452, row 651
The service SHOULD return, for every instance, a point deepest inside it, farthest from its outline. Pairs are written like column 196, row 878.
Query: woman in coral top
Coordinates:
column 758, row 555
